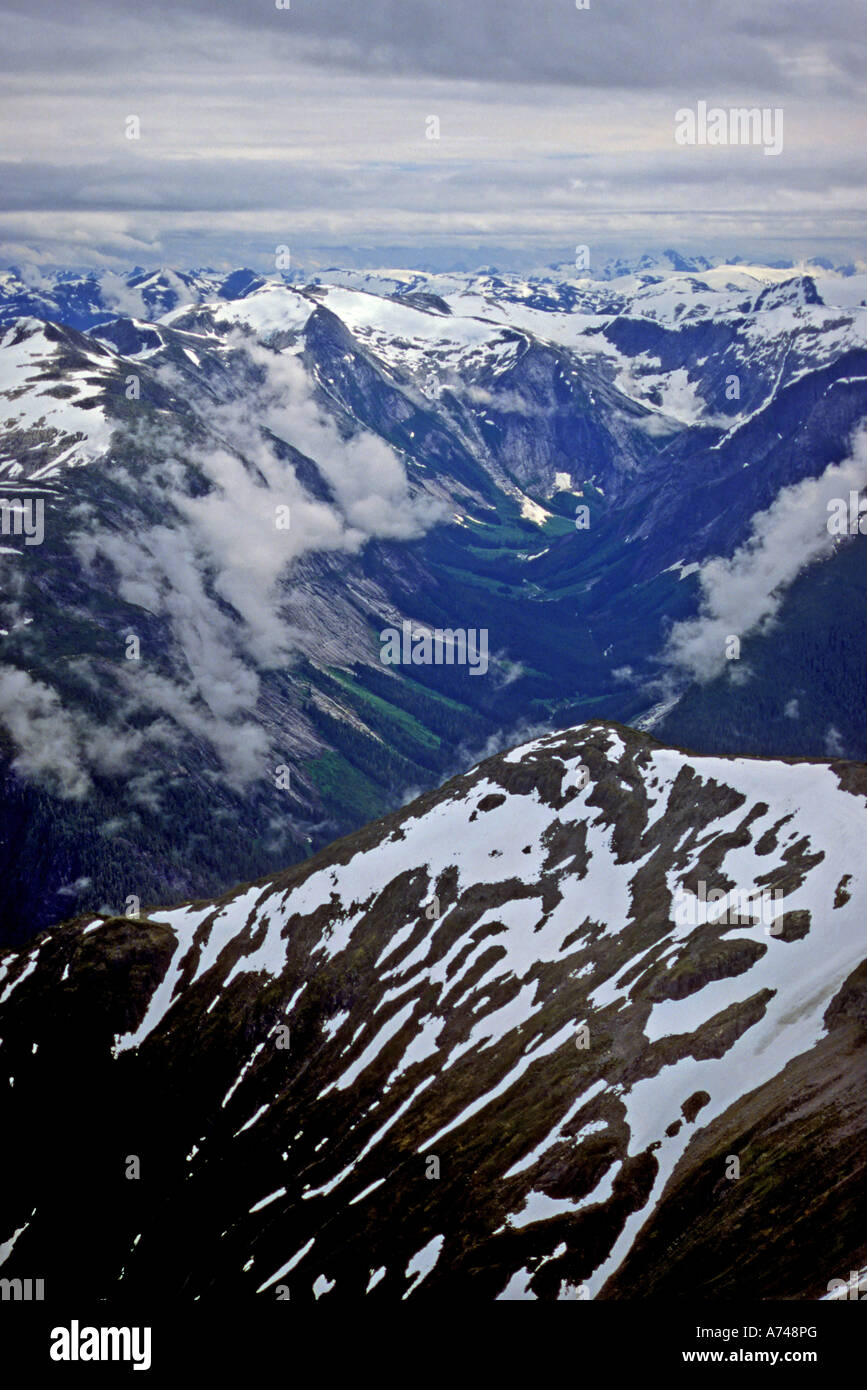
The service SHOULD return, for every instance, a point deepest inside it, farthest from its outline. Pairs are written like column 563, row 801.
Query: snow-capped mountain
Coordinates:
column 565, row 1028
column 246, row 479
column 85, row 300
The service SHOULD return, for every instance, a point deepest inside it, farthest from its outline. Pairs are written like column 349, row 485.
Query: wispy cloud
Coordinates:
column 218, row 569
column 743, row 594
column 56, row 745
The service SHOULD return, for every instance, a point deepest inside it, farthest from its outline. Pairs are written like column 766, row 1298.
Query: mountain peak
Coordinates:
column 514, row 1013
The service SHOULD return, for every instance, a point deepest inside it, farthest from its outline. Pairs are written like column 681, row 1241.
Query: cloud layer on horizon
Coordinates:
column 307, row 126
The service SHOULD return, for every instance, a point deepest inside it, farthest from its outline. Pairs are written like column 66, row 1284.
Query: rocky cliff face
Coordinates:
column 588, row 1021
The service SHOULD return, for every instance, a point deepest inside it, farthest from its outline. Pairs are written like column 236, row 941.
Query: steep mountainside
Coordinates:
column 589, row 1021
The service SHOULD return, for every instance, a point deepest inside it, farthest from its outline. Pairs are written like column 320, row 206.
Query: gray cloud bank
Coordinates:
column 307, row 125
column 632, row 43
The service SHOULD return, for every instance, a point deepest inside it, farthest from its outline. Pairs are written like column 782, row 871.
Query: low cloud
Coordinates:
column 122, row 298
column 523, row 732
column 743, row 594
column 218, row 570
column 834, row 743
column 56, row 746
column 510, row 401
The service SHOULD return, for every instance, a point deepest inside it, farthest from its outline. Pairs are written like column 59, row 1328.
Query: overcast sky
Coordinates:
column 308, row 127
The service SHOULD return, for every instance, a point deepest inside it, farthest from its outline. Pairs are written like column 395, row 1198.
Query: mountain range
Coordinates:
column 246, row 479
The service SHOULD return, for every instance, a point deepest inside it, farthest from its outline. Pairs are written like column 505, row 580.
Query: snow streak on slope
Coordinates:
column 498, row 1027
